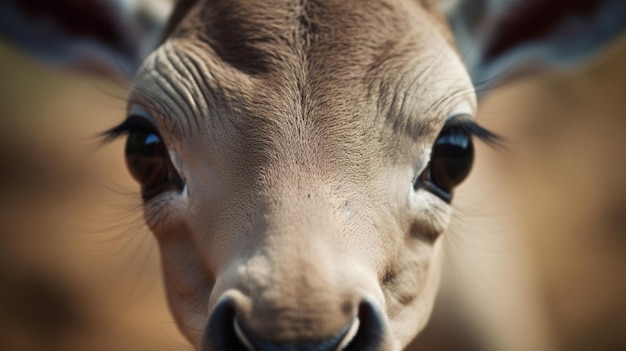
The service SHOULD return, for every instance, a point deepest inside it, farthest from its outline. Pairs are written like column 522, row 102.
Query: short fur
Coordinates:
column 303, row 123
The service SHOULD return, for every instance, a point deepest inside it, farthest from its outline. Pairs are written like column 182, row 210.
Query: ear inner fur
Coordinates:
column 528, row 20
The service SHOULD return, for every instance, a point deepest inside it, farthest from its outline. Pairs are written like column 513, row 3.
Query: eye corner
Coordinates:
column 425, row 182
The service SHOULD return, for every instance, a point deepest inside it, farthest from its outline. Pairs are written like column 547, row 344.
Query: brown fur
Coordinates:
column 297, row 126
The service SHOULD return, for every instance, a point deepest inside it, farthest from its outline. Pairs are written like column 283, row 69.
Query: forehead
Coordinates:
column 251, row 34
column 337, row 63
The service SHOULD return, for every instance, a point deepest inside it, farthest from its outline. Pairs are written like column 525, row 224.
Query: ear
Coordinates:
column 503, row 39
column 110, row 37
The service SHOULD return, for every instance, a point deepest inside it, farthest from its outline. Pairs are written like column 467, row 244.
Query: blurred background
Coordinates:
column 536, row 253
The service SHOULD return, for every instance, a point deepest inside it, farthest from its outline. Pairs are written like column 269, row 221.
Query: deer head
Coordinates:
column 297, row 159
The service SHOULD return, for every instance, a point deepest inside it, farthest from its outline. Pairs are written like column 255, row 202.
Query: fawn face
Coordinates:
column 286, row 169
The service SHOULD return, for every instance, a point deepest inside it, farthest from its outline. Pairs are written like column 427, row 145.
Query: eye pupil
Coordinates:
column 452, row 159
column 148, row 160
column 450, row 162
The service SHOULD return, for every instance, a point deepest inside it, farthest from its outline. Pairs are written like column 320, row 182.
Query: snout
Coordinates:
column 229, row 330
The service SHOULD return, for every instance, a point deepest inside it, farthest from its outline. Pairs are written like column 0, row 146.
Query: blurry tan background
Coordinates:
column 537, row 251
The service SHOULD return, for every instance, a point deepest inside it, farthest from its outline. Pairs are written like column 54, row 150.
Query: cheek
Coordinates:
column 196, row 247
column 188, row 307
column 189, row 282
column 187, row 273
column 410, row 288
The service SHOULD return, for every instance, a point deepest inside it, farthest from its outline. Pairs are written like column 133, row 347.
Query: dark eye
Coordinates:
column 450, row 163
column 149, row 163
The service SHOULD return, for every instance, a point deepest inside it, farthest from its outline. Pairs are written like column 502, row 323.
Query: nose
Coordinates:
column 365, row 332
column 256, row 342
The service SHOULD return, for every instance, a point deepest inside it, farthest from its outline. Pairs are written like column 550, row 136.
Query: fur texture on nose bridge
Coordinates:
column 295, row 296
column 300, row 274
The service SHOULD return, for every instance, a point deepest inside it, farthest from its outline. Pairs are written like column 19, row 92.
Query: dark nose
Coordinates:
column 258, row 344
column 225, row 333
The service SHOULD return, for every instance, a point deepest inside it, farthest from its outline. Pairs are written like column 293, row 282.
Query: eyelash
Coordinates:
column 467, row 125
column 131, row 124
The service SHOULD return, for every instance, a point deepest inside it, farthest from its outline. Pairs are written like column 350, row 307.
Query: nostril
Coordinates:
column 242, row 336
column 349, row 336
column 371, row 330
column 334, row 343
column 225, row 332
column 222, row 331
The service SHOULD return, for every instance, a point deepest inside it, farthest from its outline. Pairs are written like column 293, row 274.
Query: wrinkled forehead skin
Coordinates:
column 322, row 62
column 298, row 127
column 344, row 71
